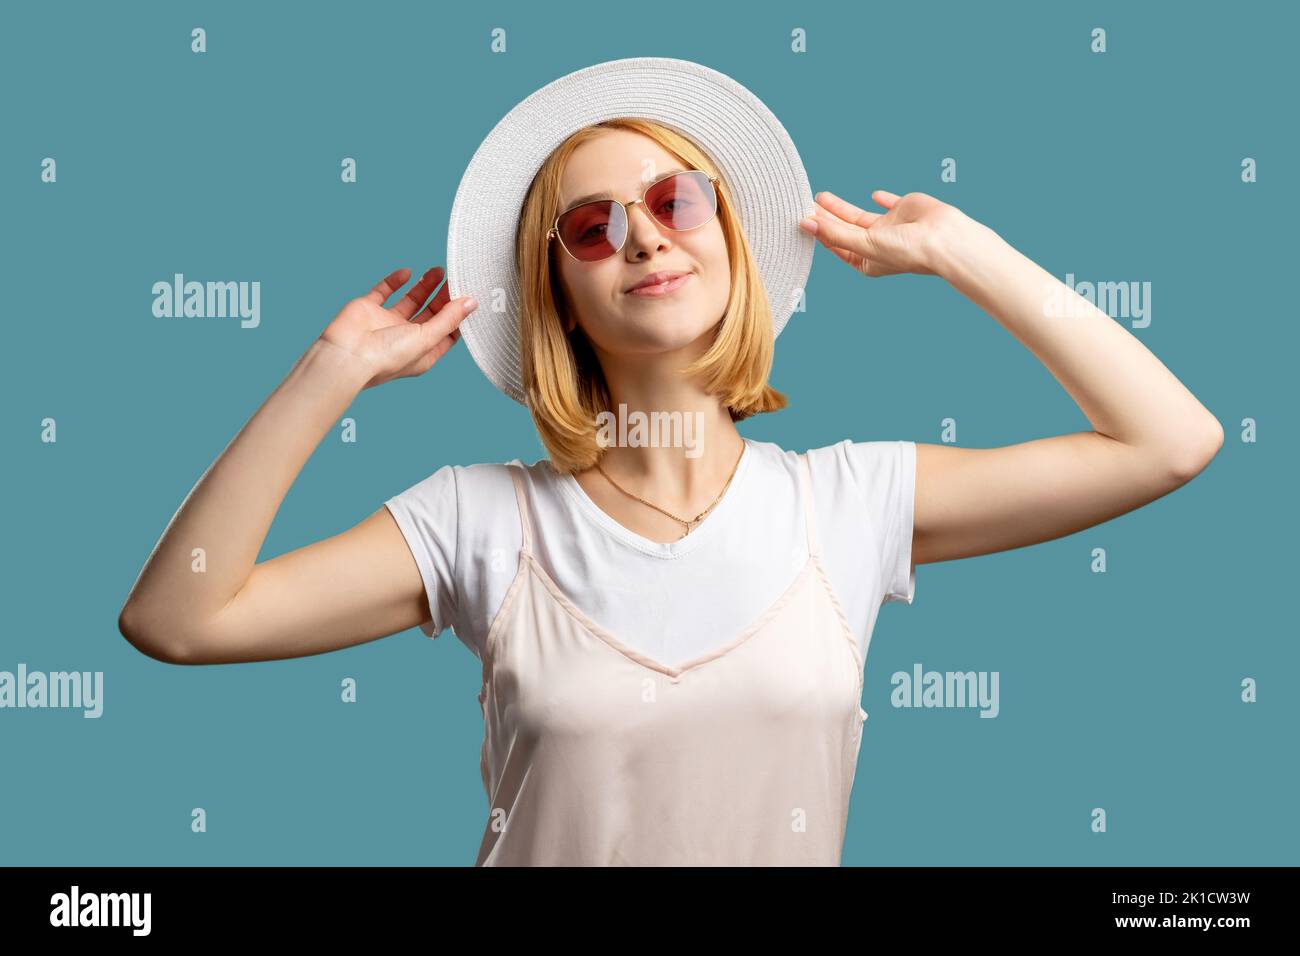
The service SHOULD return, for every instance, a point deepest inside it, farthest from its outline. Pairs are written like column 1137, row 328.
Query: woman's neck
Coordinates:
column 678, row 458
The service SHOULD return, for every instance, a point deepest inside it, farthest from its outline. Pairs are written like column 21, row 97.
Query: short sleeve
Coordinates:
column 885, row 473
column 426, row 513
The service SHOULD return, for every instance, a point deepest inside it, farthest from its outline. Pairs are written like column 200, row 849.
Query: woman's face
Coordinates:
column 621, row 163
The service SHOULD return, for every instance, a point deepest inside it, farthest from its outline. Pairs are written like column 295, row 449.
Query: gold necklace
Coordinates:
column 687, row 522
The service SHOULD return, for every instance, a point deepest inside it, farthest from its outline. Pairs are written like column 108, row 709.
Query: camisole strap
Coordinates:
column 525, row 520
column 809, row 515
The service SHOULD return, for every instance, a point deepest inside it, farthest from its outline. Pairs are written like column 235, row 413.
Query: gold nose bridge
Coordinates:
column 628, row 208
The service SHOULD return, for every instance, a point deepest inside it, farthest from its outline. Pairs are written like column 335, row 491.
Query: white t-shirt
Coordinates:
column 672, row 601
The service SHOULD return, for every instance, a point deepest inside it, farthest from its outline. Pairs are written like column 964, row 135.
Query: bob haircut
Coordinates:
column 564, row 385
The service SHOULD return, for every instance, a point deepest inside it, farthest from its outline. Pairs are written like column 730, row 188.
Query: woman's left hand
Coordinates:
column 903, row 239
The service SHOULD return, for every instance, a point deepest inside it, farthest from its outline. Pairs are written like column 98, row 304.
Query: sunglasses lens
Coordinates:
column 593, row 230
column 684, row 201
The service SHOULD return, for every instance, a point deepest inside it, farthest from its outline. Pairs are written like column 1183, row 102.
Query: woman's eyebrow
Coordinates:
column 610, row 195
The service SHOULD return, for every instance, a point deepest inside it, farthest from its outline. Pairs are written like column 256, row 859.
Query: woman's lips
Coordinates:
column 662, row 288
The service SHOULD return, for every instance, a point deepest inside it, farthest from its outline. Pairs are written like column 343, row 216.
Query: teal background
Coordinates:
column 1119, row 690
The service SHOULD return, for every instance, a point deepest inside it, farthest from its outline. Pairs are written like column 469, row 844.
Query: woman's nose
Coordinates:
column 643, row 229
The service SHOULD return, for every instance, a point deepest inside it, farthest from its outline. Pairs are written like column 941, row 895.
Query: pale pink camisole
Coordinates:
column 595, row 754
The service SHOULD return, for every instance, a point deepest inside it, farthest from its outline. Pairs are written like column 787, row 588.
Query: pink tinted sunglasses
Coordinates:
column 595, row 230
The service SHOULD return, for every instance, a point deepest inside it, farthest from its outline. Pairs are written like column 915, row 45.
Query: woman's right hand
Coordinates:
column 387, row 340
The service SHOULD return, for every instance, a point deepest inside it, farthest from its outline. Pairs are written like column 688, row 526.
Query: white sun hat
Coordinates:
column 752, row 150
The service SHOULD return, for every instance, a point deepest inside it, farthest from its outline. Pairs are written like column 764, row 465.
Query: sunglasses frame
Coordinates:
column 554, row 232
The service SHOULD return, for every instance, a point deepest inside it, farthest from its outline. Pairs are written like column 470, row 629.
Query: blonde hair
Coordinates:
column 564, row 386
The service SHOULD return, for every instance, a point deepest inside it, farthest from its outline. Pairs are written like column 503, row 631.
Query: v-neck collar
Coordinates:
column 810, row 569
column 659, row 549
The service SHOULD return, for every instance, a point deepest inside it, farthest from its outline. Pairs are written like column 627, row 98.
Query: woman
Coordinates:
column 672, row 636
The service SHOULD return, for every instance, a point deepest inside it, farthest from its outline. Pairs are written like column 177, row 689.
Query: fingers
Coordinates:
column 833, row 232
column 428, row 340
column 846, row 210
column 386, row 286
column 446, row 321
column 442, row 331
column 425, row 361
column 885, row 198
column 411, row 302
column 852, row 258
column 435, row 305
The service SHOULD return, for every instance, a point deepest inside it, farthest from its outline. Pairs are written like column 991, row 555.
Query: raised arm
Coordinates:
column 1150, row 434
column 219, row 605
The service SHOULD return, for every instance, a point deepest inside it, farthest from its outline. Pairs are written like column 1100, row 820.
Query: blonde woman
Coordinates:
column 673, row 635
